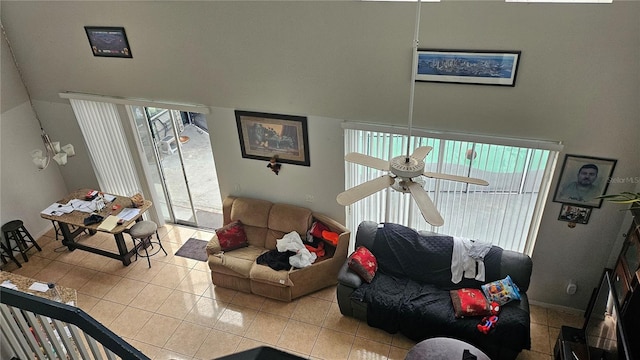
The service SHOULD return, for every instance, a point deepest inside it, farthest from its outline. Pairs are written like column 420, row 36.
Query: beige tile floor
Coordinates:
column 172, row 311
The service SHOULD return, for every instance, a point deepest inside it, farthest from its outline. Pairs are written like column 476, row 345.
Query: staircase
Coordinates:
column 37, row 328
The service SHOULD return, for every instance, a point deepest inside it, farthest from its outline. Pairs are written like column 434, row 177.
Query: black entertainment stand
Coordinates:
column 603, row 335
column 571, row 345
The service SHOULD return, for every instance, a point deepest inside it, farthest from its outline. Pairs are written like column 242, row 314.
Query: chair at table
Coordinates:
column 142, row 235
column 58, row 230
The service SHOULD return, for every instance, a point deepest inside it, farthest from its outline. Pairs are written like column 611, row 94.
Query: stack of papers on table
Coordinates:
column 52, row 210
column 128, row 213
column 109, row 223
column 87, row 206
column 57, row 209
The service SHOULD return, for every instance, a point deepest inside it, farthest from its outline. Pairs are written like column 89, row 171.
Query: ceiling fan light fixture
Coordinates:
column 69, row 150
column 60, row 158
column 40, row 162
column 402, row 185
column 52, row 150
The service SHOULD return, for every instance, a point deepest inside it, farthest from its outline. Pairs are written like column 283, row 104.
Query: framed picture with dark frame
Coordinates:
column 108, row 41
column 574, row 213
column 480, row 67
column 263, row 136
column 583, row 179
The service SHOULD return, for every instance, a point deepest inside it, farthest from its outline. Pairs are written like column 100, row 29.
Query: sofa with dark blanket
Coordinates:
column 410, row 292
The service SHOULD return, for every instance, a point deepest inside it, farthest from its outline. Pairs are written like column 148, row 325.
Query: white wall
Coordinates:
column 294, row 183
column 578, row 82
column 24, row 190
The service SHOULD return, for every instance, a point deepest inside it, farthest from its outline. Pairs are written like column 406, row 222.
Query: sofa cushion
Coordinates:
column 232, row 236
column 252, row 212
column 256, row 235
column 272, row 237
column 469, row 302
column 239, row 261
column 363, row 263
column 287, row 218
column 265, row 274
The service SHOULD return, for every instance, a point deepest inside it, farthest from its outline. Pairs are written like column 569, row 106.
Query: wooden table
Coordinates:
column 76, row 219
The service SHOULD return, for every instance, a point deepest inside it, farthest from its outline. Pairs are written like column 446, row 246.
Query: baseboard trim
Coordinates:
column 561, row 308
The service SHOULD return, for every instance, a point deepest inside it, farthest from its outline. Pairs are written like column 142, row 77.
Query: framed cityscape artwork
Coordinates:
column 468, row 66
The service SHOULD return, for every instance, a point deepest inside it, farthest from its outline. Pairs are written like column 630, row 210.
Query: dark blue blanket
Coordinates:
column 410, row 292
column 403, row 252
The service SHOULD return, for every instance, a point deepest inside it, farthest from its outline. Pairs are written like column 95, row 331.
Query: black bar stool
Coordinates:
column 143, row 231
column 15, row 230
column 6, row 253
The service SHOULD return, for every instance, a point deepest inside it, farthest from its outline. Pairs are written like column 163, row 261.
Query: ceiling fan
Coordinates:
column 405, row 172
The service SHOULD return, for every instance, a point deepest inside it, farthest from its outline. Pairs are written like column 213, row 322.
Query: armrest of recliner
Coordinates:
column 348, row 278
column 213, row 246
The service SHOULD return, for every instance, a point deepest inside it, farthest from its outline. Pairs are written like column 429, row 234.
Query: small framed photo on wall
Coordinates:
column 574, row 213
column 583, row 179
column 108, row 41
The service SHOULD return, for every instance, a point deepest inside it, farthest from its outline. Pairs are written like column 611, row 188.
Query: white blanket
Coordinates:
column 466, row 256
column 293, row 242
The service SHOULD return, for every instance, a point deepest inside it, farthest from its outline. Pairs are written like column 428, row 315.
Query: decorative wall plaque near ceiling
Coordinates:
column 108, row 41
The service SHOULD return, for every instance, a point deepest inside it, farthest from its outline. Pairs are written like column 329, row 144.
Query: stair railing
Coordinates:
column 34, row 327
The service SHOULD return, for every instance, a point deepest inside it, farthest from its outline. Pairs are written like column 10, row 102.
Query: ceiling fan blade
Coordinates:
column 469, row 180
column 421, row 152
column 367, row 160
column 363, row 190
column 426, row 206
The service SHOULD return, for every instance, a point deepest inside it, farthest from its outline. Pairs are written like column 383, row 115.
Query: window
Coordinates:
column 108, row 150
column 506, row 213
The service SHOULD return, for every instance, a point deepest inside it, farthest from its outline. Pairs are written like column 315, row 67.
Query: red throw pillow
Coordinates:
column 363, row 263
column 232, row 236
column 470, row 302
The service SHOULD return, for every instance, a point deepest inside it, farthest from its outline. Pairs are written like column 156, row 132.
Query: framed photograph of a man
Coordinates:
column 583, row 179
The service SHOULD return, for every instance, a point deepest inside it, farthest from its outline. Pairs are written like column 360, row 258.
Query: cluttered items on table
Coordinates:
column 104, row 209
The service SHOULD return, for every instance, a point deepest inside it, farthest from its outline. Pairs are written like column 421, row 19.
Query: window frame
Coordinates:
column 405, row 211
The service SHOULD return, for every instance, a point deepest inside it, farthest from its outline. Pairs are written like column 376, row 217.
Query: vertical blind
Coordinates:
column 505, row 213
column 108, row 150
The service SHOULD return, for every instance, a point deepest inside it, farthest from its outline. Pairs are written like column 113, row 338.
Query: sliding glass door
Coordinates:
column 180, row 165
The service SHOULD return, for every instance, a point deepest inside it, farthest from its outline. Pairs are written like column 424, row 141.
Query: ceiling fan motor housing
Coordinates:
column 406, row 167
